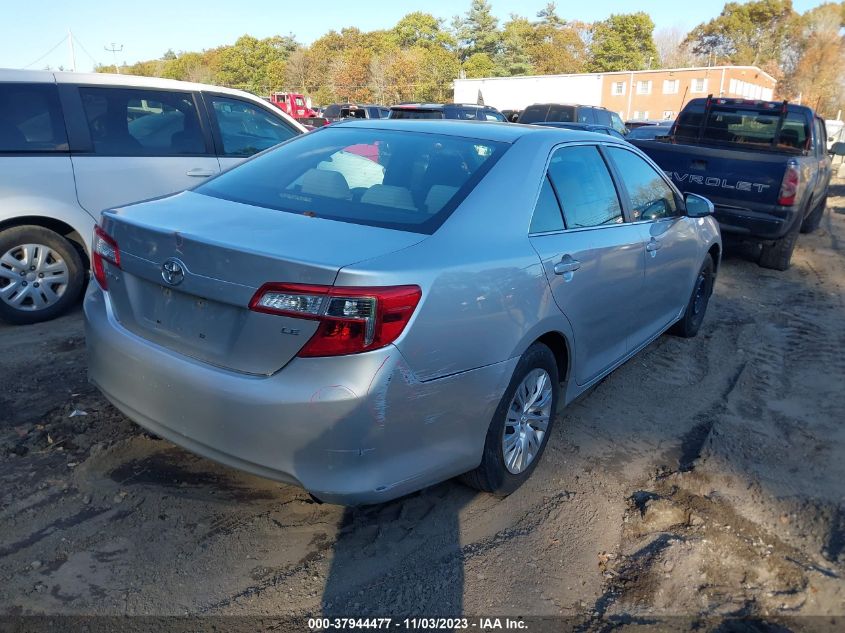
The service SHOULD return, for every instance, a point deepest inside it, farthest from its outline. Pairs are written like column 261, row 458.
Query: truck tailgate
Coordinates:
column 731, row 179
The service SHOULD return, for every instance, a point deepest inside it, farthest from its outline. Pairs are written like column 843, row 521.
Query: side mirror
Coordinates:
column 837, row 149
column 699, row 206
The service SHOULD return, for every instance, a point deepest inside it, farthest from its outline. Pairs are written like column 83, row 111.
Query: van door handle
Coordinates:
column 653, row 246
column 199, row 172
column 567, row 265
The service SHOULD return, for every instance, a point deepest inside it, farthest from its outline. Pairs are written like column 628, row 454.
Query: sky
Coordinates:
column 31, row 28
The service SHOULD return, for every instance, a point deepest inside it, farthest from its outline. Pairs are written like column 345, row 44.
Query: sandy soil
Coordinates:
column 704, row 478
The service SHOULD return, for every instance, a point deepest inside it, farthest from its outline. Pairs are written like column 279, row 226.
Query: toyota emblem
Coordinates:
column 173, row 271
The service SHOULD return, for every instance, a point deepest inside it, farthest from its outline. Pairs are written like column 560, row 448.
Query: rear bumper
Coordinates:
column 352, row 429
column 755, row 224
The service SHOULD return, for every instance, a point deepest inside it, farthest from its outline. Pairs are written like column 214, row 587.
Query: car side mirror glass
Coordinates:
column 838, row 149
column 698, row 206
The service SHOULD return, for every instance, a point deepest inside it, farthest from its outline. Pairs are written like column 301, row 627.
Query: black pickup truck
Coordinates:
column 763, row 164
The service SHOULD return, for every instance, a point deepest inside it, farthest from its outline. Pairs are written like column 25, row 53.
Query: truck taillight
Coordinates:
column 789, row 185
column 352, row 319
column 103, row 249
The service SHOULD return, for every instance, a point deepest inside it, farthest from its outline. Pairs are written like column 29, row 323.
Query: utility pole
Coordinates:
column 115, row 50
column 72, row 52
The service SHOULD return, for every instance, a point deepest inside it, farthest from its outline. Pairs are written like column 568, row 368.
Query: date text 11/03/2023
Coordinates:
column 418, row 623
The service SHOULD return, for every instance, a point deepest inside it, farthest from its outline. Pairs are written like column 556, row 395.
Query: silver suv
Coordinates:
column 74, row 144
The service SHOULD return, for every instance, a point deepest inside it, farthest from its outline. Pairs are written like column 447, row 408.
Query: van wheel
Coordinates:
column 693, row 317
column 41, row 274
column 777, row 255
column 521, row 425
column 812, row 221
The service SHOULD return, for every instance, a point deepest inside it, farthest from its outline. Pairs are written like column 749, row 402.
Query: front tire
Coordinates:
column 693, row 317
column 520, row 428
column 41, row 274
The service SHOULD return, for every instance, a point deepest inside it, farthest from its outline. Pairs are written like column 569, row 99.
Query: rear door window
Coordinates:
column 140, row 122
column 584, row 187
column 586, row 115
column 394, row 179
column 603, row 117
column 547, row 216
column 407, row 113
column 651, row 197
column 563, row 114
column 31, row 118
column 331, row 111
column 246, row 128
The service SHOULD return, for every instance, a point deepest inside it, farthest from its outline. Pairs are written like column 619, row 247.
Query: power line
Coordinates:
column 85, row 50
column 59, row 43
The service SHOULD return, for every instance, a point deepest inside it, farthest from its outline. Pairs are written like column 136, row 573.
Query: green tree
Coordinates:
column 421, row 29
column 478, row 31
column 479, row 65
column 757, row 33
column 548, row 15
column 623, row 42
column 518, row 39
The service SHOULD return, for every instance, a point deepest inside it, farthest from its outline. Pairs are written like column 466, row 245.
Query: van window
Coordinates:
column 246, row 128
column 31, row 119
column 139, row 122
column 584, row 187
column 394, row 179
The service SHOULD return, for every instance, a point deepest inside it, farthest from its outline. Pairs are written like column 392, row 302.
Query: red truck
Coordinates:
column 293, row 104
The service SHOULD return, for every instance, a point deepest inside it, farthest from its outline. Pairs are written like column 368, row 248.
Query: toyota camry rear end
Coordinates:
column 256, row 320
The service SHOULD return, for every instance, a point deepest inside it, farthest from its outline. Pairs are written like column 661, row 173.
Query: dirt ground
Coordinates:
column 704, row 478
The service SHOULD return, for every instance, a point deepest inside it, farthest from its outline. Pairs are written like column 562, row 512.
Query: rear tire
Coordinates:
column 518, row 418
column 777, row 255
column 814, row 219
column 41, row 275
column 693, row 317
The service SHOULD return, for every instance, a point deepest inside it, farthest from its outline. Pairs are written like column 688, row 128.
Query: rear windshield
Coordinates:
column 401, row 180
column 744, row 126
column 561, row 113
column 406, row 113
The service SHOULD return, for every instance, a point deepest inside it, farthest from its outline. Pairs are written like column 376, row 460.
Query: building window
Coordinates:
column 670, row 86
column 618, row 88
column 699, row 85
column 668, row 114
column 644, row 87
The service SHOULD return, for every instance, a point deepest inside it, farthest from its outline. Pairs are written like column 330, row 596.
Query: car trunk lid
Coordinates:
column 189, row 265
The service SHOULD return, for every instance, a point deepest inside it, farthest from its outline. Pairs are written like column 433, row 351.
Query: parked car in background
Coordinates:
column 650, row 132
column 764, row 164
column 365, row 328
column 462, row 111
column 638, row 123
column 562, row 113
column 584, row 127
column 73, row 144
column 340, row 111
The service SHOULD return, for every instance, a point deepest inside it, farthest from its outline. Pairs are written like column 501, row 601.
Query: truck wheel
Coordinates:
column 521, row 425
column 777, row 255
column 693, row 317
column 41, row 274
column 814, row 219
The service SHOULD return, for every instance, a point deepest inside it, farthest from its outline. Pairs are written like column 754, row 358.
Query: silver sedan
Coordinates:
column 381, row 305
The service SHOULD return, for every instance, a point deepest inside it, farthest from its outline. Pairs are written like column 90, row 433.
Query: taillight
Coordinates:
column 104, row 248
column 352, row 319
column 789, row 185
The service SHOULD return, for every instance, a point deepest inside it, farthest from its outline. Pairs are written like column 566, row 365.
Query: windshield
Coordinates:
column 743, row 126
column 393, row 179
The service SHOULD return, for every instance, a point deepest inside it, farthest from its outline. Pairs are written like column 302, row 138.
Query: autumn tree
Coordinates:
column 623, row 42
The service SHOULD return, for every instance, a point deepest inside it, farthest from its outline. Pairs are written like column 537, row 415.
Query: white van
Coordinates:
column 73, row 144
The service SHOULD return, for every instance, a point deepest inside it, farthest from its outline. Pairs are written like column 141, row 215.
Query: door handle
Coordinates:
column 567, row 265
column 653, row 246
column 199, row 172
